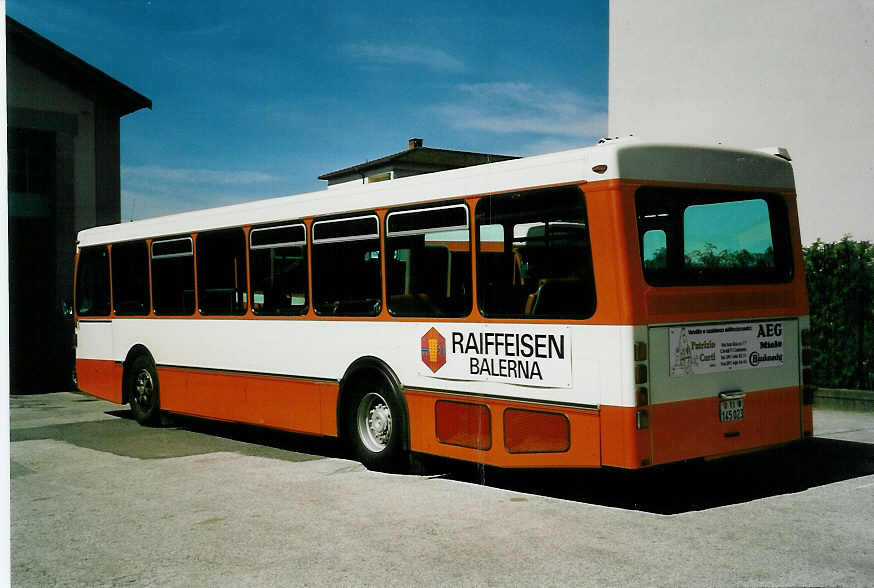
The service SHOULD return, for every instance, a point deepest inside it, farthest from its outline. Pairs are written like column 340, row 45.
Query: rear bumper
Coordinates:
column 691, row 429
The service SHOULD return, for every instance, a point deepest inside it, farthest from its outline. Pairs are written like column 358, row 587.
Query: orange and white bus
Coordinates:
column 628, row 304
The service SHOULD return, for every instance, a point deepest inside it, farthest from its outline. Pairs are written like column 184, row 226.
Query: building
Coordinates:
column 797, row 74
column 415, row 160
column 64, row 176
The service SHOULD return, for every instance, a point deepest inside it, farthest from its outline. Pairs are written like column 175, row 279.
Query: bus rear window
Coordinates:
column 710, row 237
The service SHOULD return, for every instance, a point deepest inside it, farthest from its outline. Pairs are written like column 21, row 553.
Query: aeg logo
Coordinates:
column 433, row 350
column 770, row 330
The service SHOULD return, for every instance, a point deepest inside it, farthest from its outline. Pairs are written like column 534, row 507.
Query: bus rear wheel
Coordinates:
column 143, row 391
column 376, row 427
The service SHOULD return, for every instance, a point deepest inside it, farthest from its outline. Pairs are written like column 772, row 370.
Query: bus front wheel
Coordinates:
column 143, row 391
column 376, row 426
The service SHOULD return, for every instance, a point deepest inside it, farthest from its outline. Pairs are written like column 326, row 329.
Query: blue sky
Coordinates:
column 257, row 99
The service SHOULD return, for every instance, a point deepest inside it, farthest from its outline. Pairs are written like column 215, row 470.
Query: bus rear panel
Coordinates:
column 720, row 367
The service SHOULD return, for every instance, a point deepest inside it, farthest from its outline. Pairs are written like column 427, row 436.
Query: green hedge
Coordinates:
column 840, row 284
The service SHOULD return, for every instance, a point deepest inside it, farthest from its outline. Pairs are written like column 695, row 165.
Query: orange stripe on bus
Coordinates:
column 622, row 445
column 100, row 378
column 298, row 405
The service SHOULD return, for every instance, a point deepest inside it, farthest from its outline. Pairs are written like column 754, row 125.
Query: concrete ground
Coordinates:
column 99, row 501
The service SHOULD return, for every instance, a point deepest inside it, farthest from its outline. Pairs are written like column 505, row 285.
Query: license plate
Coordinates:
column 731, row 410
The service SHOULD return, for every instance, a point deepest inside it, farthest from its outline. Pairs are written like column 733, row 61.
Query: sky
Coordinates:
column 257, row 99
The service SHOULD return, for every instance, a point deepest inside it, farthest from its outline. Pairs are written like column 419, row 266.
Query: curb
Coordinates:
column 838, row 398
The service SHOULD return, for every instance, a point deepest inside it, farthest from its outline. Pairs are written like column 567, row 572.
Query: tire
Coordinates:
column 376, row 425
column 143, row 391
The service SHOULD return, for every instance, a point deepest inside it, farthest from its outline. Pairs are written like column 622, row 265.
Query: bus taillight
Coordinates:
column 640, row 351
column 640, row 373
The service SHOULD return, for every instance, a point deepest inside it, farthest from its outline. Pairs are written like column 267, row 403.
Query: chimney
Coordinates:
column 415, row 143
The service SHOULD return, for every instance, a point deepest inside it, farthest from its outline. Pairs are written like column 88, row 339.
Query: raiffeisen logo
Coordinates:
column 433, row 350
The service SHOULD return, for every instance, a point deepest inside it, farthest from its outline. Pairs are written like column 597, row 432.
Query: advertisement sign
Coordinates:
column 704, row 349
column 535, row 355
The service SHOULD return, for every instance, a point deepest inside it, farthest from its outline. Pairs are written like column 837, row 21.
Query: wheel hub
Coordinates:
column 379, row 422
column 374, row 422
column 144, row 387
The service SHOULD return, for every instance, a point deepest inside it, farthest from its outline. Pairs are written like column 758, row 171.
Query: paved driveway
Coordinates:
column 98, row 500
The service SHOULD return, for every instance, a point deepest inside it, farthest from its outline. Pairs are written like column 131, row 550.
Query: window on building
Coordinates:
column 221, row 272
column 428, row 261
column 534, row 257
column 130, row 278
column 347, row 278
column 383, row 177
column 173, row 276
column 278, row 261
column 92, row 282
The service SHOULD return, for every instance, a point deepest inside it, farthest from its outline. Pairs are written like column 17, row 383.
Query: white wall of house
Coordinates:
column 794, row 73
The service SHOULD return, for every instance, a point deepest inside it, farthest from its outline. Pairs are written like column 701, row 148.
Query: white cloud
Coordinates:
column 149, row 191
column 518, row 107
column 385, row 54
column 152, row 174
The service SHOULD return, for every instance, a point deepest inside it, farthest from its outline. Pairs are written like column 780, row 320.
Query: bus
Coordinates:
column 625, row 305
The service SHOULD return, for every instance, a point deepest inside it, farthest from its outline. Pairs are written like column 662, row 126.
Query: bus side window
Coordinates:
column 534, row 257
column 347, row 277
column 130, row 278
column 221, row 272
column 92, row 283
column 173, row 276
column 428, row 261
column 278, row 265
column 496, row 279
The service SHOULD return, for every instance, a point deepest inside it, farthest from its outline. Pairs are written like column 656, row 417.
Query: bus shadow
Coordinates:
column 253, row 436
column 667, row 490
column 690, row 486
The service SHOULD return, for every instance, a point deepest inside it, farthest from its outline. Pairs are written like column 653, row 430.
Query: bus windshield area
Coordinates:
column 712, row 237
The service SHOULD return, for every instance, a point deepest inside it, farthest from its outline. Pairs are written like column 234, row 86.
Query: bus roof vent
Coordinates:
column 781, row 152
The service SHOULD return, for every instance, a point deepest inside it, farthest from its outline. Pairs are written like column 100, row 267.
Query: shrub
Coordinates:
column 840, row 284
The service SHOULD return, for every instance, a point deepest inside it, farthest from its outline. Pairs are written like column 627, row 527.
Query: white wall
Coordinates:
column 794, row 73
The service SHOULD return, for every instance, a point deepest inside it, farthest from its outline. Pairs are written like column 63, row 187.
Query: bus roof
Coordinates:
column 627, row 158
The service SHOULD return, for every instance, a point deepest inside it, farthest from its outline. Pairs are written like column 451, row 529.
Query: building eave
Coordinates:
column 58, row 63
